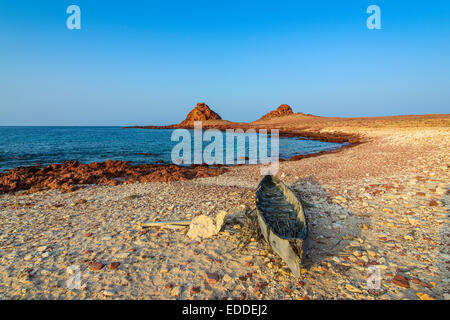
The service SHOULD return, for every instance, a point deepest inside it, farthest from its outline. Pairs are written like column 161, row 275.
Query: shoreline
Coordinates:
column 338, row 137
column 12, row 178
column 36, row 178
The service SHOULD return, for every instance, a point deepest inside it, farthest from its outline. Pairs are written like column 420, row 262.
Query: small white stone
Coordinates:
column 413, row 221
column 337, row 225
column 364, row 258
column 109, row 293
column 356, row 253
column 122, row 255
column 226, row 278
column 175, row 292
column 352, row 289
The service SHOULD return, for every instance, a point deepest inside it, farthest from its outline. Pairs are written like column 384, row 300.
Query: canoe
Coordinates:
column 282, row 221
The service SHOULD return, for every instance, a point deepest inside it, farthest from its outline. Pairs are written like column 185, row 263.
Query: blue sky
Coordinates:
column 150, row 62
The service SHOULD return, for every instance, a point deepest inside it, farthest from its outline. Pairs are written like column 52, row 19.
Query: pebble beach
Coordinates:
column 379, row 206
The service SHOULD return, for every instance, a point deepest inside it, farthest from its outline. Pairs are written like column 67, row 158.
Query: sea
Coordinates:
column 31, row 146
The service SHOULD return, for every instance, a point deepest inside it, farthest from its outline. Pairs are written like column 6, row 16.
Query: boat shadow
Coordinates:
column 331, row 225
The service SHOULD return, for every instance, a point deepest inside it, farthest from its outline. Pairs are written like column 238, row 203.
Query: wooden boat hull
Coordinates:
column 282, row 221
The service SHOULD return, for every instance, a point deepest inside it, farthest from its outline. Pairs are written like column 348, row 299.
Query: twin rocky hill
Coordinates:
column 202, row 112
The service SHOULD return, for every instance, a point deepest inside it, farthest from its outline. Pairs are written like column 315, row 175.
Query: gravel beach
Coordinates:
column 383, row 203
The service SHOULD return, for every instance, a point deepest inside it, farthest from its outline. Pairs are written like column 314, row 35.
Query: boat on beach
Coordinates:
column 282, row 221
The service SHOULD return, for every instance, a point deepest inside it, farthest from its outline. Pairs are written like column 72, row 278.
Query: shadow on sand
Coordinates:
column 330, row 224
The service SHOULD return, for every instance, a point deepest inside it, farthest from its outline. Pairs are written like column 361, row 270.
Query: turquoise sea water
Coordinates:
column 26, row 146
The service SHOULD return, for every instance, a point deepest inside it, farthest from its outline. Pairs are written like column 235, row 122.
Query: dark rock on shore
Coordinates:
column 303, row 156
column 70, row 175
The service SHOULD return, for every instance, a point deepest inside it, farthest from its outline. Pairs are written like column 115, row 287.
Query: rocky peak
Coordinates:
column 200, row 113
column 281, row 111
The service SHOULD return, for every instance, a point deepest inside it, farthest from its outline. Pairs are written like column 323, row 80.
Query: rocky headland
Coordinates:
column 271, row 120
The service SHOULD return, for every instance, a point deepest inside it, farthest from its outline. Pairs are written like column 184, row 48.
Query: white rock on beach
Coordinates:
column 109, row 293
column 205, row 227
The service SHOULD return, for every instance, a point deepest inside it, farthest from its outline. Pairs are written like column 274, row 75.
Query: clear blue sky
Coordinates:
column 150, row 62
